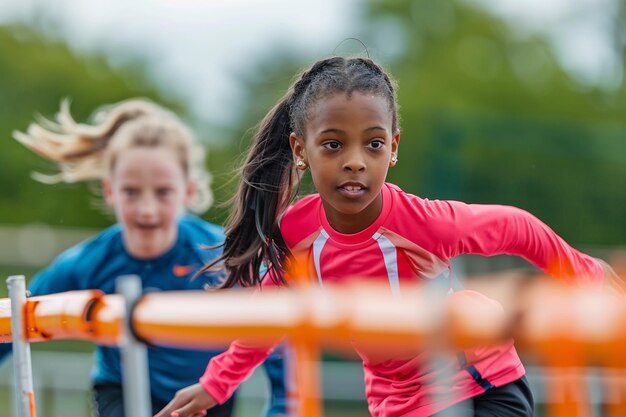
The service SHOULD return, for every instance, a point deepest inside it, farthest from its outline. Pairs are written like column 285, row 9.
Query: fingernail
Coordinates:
column 175, row 415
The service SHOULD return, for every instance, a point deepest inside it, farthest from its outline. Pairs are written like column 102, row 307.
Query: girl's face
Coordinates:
column 148, row 191
column 348, row 145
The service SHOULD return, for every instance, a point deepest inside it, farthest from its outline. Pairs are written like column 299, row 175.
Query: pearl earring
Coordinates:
column 300, row 164
column 394, row 159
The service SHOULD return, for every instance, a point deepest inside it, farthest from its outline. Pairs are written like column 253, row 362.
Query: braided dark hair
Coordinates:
column 268, row 176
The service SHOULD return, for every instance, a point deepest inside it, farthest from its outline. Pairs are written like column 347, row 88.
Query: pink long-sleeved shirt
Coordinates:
column 413, row 240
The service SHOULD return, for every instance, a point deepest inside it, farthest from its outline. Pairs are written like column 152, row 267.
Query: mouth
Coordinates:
column 352, row 189
column 148, row 227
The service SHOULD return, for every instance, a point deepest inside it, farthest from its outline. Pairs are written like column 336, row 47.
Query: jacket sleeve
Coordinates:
column 58, row 276
column 504, row 230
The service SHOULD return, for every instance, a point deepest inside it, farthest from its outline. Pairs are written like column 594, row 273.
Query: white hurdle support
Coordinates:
column 22, row 367
column 136, row 382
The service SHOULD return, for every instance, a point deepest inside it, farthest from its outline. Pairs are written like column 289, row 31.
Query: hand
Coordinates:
column 192, row 401
column 612, row 281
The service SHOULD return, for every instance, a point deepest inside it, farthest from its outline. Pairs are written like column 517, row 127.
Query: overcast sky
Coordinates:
column 196, row 46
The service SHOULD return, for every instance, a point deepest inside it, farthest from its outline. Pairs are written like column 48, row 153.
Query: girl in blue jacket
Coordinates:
column 152, row 172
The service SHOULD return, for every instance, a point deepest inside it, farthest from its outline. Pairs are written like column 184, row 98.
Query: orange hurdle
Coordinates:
column 558, row 325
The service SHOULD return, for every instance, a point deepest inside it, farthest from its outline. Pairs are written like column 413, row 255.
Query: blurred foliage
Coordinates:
column 36, row 74
column 39, row 73
column 490, row 116
column 487, row 115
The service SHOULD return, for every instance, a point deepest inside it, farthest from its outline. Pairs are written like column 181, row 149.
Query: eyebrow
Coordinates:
column 369, row 129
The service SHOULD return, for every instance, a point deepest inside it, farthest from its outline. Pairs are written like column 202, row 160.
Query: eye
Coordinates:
column 164, row 192
column 376, row 144
column 332, row 145
column 130, row 191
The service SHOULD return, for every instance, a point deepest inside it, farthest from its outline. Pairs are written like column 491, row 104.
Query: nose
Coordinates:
column 148, row 207
column 354, row 162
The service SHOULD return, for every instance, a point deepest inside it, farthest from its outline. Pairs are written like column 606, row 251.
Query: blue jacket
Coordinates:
column 97, row 262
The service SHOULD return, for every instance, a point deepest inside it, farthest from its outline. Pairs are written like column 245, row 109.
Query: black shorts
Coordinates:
column 510, row 400
column 108, row 401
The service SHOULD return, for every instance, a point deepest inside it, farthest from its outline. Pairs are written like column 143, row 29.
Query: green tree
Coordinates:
column 36, row 74
column 487, row 116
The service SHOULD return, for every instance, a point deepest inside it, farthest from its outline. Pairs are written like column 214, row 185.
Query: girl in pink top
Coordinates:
column 339, row 121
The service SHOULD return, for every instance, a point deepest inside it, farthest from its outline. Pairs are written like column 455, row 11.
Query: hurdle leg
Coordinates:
column 136, row 383
column 22, row 366
column 307, row 379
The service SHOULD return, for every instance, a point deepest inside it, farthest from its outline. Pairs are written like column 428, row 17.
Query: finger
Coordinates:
column 168, row 409
column 165, row 412
column 189, row 410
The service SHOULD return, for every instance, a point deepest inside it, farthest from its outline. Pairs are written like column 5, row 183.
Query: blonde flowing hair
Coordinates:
column 86, row 152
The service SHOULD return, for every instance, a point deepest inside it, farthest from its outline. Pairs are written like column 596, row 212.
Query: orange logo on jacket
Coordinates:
column 181, row 270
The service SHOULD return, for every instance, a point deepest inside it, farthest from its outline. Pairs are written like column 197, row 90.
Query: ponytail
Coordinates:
column 88, row 152
column 265, row 191
column 78, row 149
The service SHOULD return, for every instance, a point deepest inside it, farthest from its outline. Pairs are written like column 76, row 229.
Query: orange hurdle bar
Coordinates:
column 82, row 315
column 60, row 316
column 6, row 335
column 331, row 317
column 556, row 324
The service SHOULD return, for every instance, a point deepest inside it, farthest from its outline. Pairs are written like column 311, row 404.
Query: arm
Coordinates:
column 498, row 230
column 277, row 373
column 58, row 276
column 612, row 281
column 227, row 371
column 223, row 375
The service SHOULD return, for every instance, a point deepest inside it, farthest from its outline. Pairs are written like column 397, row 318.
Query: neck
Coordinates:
column 357, row 222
